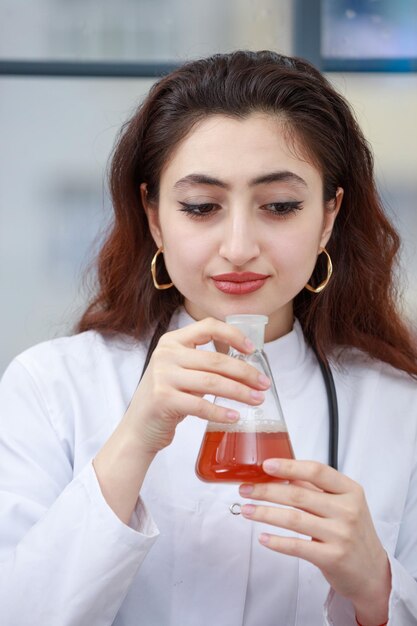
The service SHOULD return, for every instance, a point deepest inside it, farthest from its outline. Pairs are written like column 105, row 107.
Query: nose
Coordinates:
column 239, row 242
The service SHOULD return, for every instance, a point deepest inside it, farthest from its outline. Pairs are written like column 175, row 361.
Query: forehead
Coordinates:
column 237, row 149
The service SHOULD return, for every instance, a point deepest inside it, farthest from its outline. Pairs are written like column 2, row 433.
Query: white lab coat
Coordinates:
column 67, row 560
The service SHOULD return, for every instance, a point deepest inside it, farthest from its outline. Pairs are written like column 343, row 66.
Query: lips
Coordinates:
column 241, row 283
column 239, row 277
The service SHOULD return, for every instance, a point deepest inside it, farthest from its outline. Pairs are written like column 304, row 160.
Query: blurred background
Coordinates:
column 72, row 72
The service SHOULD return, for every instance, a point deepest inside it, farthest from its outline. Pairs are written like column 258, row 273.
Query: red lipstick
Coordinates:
column 239, row 283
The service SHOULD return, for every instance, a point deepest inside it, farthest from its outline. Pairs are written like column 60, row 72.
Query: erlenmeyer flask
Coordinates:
column 235, row 452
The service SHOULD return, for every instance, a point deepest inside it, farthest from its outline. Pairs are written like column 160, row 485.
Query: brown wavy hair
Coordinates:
column 359, row 306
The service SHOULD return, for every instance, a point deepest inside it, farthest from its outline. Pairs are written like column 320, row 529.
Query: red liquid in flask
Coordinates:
column 231, row 456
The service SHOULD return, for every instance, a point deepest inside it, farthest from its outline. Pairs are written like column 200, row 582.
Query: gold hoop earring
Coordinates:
column 326, row 280
column 153, row 272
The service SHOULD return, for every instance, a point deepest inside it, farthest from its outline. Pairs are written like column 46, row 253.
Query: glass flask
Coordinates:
column 235, row 452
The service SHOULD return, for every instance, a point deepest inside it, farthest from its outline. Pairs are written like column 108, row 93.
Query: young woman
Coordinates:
column 243, row 177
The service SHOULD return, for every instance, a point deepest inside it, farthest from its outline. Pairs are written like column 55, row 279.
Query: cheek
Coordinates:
column 295, row 254
column 182, row 244
column 186, row 257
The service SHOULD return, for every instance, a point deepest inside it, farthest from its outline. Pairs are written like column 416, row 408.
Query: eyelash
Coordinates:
column 285, row 208
column 204, row 210
column 193, row 209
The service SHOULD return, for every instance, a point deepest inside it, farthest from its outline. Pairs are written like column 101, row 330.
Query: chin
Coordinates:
column 220, row 306
column 241, row 307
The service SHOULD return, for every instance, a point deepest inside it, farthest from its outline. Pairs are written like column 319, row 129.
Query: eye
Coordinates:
column 283, row 208
column 198, row 210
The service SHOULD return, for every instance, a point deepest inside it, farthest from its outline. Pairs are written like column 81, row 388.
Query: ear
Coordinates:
column 331, row 211
column 152, row 214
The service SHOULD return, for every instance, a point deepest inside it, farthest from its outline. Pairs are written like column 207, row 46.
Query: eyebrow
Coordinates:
column 266, row 179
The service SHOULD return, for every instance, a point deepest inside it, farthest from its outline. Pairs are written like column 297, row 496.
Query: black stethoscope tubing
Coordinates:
column 331, row 401
column 333, row 411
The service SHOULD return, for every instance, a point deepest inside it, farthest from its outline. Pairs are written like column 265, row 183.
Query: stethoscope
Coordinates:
column 333, row 411
column 332, row 408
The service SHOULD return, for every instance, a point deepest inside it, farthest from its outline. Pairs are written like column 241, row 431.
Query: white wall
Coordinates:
column 386, row 108
column 56, row 136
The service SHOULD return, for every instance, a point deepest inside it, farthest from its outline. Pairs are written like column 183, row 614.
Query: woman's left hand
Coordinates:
column 330, row 508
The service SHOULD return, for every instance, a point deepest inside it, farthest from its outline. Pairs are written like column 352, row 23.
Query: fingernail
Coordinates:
column 257, row 395
column 232, row 416
column 271, row 465
column 245, row 490
column 264, row 539
column 264, row 380
column 249, row 344
column 248, row 509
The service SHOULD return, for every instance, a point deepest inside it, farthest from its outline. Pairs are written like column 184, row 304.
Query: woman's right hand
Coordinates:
column 173, row 386
column 178, row 376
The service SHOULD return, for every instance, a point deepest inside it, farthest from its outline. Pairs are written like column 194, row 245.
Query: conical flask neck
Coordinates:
column 252, row 326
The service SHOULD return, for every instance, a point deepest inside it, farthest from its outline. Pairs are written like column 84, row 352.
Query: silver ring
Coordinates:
column 235, row 508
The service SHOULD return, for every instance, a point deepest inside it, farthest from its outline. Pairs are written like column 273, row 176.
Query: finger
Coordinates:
column 211, row 329
column 322, row 476
column 306, row 499
column 320, row 554
column 292, row 519
column 202, row 383
column 223, row 364
column 306, row 485
column 186, row 404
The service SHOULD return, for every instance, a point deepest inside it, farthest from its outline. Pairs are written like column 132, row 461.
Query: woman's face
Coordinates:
column 241, row 219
